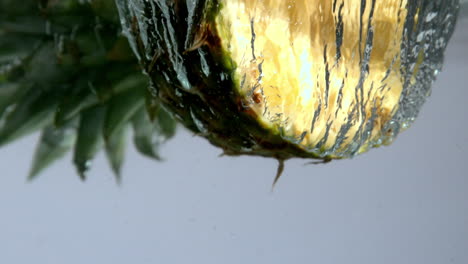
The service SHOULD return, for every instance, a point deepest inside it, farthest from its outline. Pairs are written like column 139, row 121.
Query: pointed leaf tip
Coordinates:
column 89, row 140
column 53, row 145
column 146, row 136
column 279, row 172
column 115, row 150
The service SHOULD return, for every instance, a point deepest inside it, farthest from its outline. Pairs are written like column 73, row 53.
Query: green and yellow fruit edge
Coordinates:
column 212, row 104
column 214, row 107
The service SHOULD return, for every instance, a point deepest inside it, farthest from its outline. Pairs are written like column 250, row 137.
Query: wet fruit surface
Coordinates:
column 323, row 79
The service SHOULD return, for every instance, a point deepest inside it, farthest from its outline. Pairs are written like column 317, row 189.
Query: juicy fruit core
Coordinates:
column 325, row 74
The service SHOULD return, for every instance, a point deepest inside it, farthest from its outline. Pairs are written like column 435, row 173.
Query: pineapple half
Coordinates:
column 66, row 69
column 325, row 79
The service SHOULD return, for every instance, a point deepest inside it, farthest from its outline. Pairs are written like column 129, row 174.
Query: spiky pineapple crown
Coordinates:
column 65, row 69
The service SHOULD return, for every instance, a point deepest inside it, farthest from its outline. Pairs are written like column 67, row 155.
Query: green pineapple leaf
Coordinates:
column 89, row 139
column 115, row 150
column 9, row 92
column 143, row 134
column 67, row 62
column 53, row 145
column 165, row 123
column 80, row 97
column 32, row 112
column 122, row 108
column 149, row 134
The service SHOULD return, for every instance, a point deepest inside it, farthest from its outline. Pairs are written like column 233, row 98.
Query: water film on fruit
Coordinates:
column 322, row 79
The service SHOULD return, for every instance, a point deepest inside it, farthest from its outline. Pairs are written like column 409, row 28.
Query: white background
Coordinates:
column 407, row 203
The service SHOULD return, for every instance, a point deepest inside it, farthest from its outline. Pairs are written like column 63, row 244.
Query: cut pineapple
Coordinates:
column 314, row 79
column 320, row 72
column 311, row 79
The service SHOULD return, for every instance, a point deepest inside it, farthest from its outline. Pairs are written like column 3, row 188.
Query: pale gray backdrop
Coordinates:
column 407, row 203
